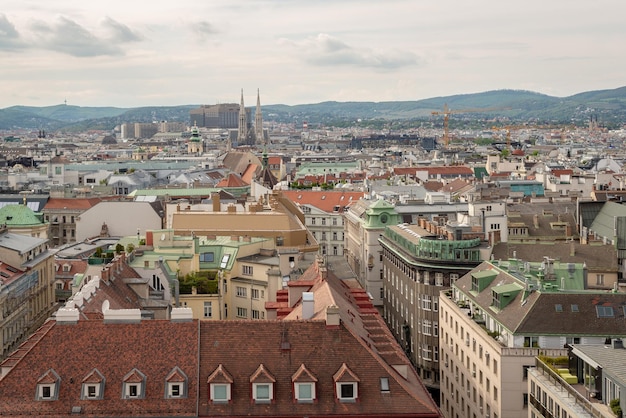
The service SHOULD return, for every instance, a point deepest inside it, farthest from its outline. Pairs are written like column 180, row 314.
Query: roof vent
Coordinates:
column 308, row 305
column 122, row 315
column 181, row 314
column 67, row 316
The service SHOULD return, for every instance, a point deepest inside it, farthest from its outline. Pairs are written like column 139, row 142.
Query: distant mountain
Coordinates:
column 608, row 106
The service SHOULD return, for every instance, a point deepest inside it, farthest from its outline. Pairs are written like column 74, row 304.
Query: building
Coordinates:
column 418, row 262
column 498, row 318
column 223, row 115
column 324, row 215
column 61, row 214
column 365, row 222
column 104, row 219
column 583, row 384
column 337, row 361
column 20, row 219
column 274, row 217
column 26, row 287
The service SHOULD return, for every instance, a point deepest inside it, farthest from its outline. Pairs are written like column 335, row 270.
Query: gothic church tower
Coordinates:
column 258, row 120
column 242, row 135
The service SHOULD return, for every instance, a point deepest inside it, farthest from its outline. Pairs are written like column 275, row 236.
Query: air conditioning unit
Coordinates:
column 467, row 342
column 474, row 373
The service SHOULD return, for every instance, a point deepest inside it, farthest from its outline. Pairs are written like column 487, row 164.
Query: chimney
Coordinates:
column 308, row 305
column 149, row 238
column 572, row 249
column 105, row 274
column 216, row 202
column 332, row 316
column 232, row 208
column 536, row 221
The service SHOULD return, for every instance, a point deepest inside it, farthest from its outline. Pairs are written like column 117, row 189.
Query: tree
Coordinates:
column 119, row 248
column 129, row 248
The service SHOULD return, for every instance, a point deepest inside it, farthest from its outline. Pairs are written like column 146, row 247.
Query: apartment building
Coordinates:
column 418, row 262
column 496, row 319
column 366, row 221
column 324, row 215
column 26, row 287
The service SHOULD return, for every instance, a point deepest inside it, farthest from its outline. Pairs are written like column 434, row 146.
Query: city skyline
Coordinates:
column 135, row 54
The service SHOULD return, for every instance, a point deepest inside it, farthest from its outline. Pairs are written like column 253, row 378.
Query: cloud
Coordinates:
column 326, row 50
column 9, row 36
column 119, row 31
column 203, row 30
column 68, row 37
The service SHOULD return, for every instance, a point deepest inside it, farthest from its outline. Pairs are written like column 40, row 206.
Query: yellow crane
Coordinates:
column 446, row 118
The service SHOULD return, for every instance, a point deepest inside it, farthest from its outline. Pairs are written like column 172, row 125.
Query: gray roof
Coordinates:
column 604, row 223
column 612, row 360
column 537, row 314
column 21, row 243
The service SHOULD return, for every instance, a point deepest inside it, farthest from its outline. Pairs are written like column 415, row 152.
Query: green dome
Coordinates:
column 18, row 215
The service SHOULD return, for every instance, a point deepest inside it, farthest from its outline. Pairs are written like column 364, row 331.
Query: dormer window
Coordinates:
column 220, row 382
column 48, row 386
column 262, row 385
column 92, row 386
column 346, row 384
column 304, row 383
column 176, row 384
column 134, row 385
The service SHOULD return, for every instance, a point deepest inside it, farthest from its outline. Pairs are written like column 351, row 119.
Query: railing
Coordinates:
column 578, row 398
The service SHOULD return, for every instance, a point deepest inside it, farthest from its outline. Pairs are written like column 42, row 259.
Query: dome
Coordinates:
column 18, row 215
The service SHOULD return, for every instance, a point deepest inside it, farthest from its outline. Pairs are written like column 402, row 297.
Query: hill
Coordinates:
column 608, row 106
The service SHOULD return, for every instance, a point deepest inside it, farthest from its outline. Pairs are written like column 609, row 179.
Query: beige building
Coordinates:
column 365, row 222
column 26, row 287
column 231, row 276
column 496, row 319
column 276, row 218
column 116, row 219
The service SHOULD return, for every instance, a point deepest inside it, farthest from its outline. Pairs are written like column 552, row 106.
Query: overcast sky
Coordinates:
column 147, row 53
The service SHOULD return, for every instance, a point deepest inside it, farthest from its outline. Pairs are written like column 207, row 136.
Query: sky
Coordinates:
column 136, row 53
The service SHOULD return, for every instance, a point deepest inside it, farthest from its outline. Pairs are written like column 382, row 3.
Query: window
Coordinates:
column 305, row 391
column 207, row 257
column 208, row 309
column 604, row 311
column 312, row 221
column 256, row 314
column 93, row 386
column 176, row 384
column 262, row 392
column 384, row 384
column 48, row 386
column 558, row 307
column 574, row 308
column 346, row 392
column 242, row 312
column 134, row 384
column 247, row 270
column 255, row 293
column 175, row 390
column 224, row 261
column 220, row 392
column 323, row 221
column 242, row 292
column 600, row 279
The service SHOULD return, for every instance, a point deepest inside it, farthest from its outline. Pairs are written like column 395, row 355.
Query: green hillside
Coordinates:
column 608, row 106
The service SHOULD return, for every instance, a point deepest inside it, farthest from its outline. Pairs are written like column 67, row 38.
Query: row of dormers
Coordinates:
column 176, row 385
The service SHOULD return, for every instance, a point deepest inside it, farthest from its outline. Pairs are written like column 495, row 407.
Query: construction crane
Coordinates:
column 446, row 118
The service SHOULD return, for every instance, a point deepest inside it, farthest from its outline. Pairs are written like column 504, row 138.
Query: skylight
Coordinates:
column 604, row 311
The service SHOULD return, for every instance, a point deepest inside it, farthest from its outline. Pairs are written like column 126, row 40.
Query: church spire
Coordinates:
column 258, row 120
column 243, row 123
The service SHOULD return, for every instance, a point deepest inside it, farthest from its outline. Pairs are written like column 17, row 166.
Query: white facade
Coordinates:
column 121, row 219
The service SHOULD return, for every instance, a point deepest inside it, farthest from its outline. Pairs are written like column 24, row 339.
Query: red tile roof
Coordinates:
column 75, row 203
column 325, row 200
column 73, row 351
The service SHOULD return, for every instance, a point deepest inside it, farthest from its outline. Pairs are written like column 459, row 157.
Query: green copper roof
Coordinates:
column 19, row 215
